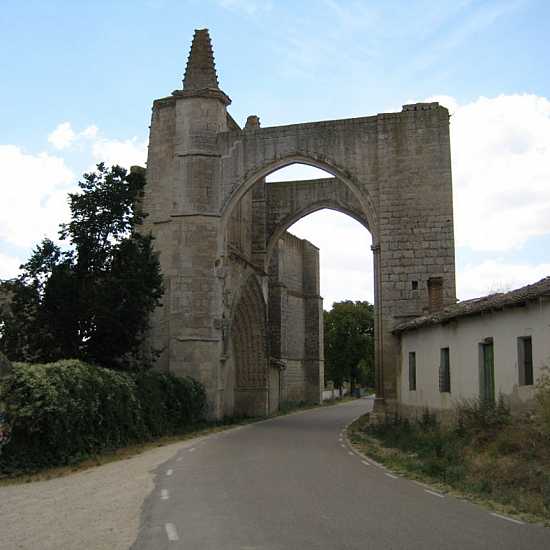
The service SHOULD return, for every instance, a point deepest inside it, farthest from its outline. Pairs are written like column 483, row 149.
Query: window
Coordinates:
column 412, row 371
column 414, row 285
column 525, row 361
column 444, row 372
column 486, row 371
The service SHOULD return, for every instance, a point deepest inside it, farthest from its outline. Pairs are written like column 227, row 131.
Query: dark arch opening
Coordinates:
column 249, row 342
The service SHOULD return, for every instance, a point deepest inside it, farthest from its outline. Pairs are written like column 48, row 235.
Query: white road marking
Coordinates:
column 171, row 532
column 434, row 493
column 191, row 449
column 342, row 445
column 365, row 462
column 164, row 494
column 391, row 475
column 169, row 472
column 350, row 453
column 179, row 459
column 507, row 518
column 419, row 484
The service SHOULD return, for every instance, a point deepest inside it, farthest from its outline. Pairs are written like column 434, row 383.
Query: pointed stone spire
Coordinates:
column 200, row 77
column 200, row 72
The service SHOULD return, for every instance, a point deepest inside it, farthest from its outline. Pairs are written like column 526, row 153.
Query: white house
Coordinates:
column 481, row 348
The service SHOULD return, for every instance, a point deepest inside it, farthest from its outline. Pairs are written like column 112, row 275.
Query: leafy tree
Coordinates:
column 91, row 301
column 349, row 343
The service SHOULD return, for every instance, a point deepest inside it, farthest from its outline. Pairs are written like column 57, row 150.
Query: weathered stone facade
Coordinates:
column 220, row 234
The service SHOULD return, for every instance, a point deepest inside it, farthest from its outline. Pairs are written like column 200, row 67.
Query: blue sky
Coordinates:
column 78, row 80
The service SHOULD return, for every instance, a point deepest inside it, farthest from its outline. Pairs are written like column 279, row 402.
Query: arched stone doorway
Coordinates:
column 249, row 353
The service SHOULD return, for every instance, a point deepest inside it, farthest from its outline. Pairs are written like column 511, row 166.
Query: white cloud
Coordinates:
column 9, row 266
column 34, row 187
column 497, row 276
column 501, row 170
column 110, row 151
column 63, row 136
column 127, row 152
column 33, row 195
column 90, row 132
column 345, row 255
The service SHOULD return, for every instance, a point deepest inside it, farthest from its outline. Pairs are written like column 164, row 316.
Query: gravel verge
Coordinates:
column 98, row 508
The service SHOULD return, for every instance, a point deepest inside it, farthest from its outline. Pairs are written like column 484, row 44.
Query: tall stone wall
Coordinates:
column 397, row 170
column 295, row 311
column 217, row 224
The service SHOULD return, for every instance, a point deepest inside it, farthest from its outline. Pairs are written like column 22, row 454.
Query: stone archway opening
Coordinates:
column 317, row 247
column 346, row 269
column 258, row 247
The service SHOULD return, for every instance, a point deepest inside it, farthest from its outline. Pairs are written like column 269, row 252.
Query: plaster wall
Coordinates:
column 463, row 338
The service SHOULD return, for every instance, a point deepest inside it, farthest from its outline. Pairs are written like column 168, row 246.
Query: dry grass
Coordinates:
column 497, row 460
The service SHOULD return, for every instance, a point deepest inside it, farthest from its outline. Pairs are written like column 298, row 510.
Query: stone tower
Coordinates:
column 242, row 311
column 183, row 199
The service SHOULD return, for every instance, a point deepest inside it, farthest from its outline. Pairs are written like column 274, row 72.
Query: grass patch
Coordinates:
column 487, row 455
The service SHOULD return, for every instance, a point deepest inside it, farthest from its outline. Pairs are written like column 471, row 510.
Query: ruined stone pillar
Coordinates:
column 314, row 346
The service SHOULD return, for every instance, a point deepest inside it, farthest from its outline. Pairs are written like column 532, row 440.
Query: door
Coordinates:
column 487, row 374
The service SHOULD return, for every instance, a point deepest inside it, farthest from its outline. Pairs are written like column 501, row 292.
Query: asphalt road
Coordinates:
column 291, row 483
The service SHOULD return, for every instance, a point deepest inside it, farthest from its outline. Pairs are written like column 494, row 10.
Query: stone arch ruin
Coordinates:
column 248, row 354
column 241, row 293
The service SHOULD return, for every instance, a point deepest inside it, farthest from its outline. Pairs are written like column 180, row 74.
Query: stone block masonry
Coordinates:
column 219, row 227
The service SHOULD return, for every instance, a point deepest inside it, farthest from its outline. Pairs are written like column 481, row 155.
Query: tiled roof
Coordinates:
column 477, row 306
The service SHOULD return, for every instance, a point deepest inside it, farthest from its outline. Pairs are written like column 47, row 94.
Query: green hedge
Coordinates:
column 62, row 412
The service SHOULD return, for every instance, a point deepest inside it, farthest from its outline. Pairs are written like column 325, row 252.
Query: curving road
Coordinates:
column 291, row 483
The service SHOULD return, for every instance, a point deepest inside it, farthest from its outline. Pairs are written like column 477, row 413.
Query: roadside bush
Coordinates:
column 62, row 412
column 479, row 418
column 542, row 400
column 487, row 452
column 168, row 403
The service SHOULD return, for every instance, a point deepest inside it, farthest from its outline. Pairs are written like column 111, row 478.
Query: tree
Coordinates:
column 91, row 301
column 349, row 343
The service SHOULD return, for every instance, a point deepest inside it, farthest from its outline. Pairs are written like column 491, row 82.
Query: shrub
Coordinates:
column 61, row 412
column 487, row 452
column 542, row 400
column 477, row 418
column 169, row 403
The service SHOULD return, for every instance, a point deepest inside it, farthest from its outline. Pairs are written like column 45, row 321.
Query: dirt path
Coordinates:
column 95, row 509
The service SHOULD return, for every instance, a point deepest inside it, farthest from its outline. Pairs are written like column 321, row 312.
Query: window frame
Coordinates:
column 445, row 370
column 525, row 361
column 412, row 371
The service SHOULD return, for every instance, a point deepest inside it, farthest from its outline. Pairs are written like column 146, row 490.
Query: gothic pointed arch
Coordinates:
column 249, row 348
